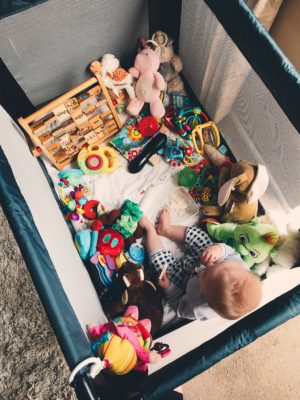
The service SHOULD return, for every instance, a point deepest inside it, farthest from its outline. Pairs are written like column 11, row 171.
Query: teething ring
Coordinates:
column 199, row 139
column 163, row 34
column 153, row 42
column 90, row 209
column 95, row 159
column 187, row 161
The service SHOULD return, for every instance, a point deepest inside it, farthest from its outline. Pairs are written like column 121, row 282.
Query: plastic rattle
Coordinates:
column 187, row 119
column 95, row 160
column 207, row 133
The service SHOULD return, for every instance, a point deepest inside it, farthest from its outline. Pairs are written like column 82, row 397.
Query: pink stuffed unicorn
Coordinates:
column 149, row 84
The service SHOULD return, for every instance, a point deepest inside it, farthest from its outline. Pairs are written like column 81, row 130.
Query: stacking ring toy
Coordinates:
column 207, row 133
column 95, row 160
column 187, row 119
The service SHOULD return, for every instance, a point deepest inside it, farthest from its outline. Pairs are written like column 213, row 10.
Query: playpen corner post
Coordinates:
column 165, row 15
column 12, row 97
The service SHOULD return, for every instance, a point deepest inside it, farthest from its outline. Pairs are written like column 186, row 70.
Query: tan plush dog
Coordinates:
column 240, row 187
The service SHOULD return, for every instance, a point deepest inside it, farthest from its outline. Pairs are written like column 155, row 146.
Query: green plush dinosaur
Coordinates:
column 253, row 241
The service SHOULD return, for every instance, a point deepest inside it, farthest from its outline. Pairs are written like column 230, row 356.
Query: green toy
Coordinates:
column 253, row 241
column 128, row 221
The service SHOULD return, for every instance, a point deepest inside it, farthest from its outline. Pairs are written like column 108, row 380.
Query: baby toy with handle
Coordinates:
column 153, row 146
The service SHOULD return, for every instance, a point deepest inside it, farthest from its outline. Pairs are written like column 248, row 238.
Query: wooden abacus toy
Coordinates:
column 83, row 116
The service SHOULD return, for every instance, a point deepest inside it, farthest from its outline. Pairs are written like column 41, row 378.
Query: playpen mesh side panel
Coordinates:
column 253, row 124
column 48, row 47
column 256, row 129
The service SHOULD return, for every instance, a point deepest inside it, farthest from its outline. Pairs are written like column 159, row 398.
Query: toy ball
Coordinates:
column 148, row 126
column 187, row 177
column 120, row 352
column 95, row 160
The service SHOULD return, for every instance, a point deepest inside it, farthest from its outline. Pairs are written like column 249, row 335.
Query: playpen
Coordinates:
column 247, row 86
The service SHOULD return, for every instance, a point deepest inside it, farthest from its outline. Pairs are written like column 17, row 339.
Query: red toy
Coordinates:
column 148, row 126
column 90, row 208
column 110, row 242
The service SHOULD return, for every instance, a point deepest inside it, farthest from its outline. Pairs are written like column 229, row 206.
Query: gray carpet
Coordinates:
column 33, row 368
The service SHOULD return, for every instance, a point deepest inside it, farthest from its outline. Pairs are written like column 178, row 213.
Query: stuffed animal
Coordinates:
column 124, row 343
column 125, row 221
column 131, row 288
column 149, row 84
column 286, row 257
column 238, row 193
column 114, row 77
column 170, row 63
column 254, row 241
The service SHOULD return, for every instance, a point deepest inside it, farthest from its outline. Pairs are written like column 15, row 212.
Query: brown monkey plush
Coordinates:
column 131, row 288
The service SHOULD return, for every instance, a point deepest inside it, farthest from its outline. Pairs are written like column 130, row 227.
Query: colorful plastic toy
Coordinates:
column 187, row 119
column 96, row 160
column 124, row 342
column 153, row 146
column 178, row 153
column 136, row 253
column 207, row 133
column 70, row 176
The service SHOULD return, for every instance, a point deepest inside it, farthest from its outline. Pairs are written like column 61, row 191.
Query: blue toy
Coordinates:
column 83, row 243
column 72, row 175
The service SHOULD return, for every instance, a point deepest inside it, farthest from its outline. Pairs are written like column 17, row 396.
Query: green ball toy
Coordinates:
column 187, row 177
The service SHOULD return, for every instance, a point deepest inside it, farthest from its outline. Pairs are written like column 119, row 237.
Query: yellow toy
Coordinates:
column 207, row 133
column 97, row 160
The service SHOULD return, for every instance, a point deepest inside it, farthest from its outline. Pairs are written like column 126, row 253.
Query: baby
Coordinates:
column 210, row 279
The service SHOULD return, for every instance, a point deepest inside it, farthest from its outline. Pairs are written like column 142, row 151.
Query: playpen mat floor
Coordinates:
column 59, row 243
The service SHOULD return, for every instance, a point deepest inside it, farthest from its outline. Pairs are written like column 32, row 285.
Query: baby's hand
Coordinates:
column 211, row 254
column 164, row 281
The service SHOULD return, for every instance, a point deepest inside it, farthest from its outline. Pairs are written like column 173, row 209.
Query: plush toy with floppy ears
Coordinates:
column 149, row 83
column 132, row 288
column 124, row 343
column 170, row 63
column 254, row 241
column 240, row 187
